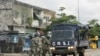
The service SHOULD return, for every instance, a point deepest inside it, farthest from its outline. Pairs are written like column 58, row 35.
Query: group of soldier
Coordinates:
column 40, row 45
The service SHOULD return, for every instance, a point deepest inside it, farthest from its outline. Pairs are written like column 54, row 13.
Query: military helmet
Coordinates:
column 48, row 37
column 37, row 34
column 43, row 37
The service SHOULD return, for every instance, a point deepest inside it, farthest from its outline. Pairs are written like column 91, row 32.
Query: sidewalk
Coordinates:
column 13, row 54
column 88, row 50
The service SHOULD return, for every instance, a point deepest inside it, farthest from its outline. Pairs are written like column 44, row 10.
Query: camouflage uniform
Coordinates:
column 46, row 46
column 36, row 47
column 32, row 51
column 39, row 47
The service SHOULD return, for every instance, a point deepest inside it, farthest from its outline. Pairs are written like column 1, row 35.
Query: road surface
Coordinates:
column 89, row 52
column 93, row 52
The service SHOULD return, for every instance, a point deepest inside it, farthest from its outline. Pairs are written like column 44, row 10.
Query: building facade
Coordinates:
column 47, row 16
column 6, row 14
column 24, row 18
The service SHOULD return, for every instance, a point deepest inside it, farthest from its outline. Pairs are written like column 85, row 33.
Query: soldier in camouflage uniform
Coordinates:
column 36, row 45
column 46, row 46
column 39, row 48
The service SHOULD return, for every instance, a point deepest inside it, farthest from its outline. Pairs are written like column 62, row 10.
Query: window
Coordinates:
column 22, row 19
column 63, row 35
column 46, row 18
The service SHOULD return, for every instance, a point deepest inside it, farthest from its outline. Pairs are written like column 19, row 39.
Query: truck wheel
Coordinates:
column 75, row 54
column 53, row 54
column 63, row 54
column 81, row 54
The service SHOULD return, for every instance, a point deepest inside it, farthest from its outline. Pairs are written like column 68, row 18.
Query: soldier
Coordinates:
column 46, row 46
column 36, row 45
column 39, row 47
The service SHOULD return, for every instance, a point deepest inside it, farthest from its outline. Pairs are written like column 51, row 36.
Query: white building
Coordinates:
column 25, row 17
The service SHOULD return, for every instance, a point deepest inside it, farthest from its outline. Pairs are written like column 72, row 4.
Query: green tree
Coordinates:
column 71, row 17
column 93, row 22
column 74, row 21
column 62, row 8
column 63, row 18
column 95, row 27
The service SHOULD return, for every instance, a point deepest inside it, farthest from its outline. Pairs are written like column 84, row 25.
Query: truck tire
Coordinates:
column 75, row 54
column 53, row 54
column 82, row 53
column 63, row 54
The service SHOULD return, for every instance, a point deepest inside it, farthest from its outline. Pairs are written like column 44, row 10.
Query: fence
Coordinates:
column 11, row 43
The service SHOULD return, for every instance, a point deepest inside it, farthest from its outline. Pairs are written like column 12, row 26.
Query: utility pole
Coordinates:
column 78, row 12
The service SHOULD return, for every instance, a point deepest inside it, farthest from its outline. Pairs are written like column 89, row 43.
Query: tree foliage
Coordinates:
column 95, row 27
column 62, row 8
column 93, row 22
column 71, row 19
column 63, row 18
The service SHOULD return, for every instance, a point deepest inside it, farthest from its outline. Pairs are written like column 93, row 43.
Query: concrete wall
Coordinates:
column 21, row 13
column 6, row 15
column 47, row 16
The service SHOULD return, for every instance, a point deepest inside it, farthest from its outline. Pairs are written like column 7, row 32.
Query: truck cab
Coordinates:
column 68, row 39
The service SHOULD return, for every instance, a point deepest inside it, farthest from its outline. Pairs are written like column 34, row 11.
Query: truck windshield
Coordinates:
column 62, row 35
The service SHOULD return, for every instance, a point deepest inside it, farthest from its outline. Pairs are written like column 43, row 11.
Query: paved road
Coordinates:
column 89, row 52
column 93, row 52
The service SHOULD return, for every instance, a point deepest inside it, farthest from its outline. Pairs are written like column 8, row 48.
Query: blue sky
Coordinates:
column 88, row 9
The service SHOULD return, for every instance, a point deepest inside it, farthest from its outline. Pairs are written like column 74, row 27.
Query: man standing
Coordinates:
column 36, row 47
column 39, row 47
column 46, row 46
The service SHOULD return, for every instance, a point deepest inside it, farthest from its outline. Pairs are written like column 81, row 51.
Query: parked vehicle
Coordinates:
column 69, row 39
